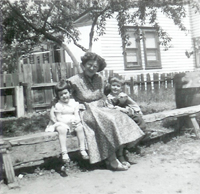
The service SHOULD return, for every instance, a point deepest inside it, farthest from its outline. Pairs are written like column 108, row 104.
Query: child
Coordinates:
column 66, row 119
column 123, row 102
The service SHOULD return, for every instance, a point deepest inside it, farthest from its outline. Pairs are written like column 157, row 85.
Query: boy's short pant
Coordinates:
column 139, row 121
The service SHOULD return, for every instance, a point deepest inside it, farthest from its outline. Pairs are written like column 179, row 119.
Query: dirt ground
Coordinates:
column 167, row 168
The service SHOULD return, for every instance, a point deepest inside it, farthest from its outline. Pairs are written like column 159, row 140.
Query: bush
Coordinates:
column 33, row 123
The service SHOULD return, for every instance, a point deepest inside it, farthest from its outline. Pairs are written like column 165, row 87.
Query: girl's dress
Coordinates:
column 69, row 116
column 105, row 129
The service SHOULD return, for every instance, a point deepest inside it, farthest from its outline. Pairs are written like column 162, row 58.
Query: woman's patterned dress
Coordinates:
column 105, row 129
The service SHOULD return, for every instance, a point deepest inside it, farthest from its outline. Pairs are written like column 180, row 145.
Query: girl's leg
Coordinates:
column 81, row 138
column 62, row 135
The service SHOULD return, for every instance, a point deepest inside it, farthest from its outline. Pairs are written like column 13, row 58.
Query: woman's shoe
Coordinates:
column 84, row 155
column 124, row 162
column 116, row 165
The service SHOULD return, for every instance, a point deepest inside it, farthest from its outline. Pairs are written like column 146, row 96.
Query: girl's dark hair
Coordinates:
column 62, row 85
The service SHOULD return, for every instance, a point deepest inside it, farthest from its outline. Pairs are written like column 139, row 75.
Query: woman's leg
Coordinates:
column 120, row 156
column 62, row 135
column 81, row 138
column 114, row 164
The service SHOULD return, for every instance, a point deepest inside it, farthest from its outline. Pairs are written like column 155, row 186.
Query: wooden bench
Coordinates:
column 43, row 145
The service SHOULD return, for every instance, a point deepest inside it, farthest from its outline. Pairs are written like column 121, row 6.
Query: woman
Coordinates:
column 107, row 130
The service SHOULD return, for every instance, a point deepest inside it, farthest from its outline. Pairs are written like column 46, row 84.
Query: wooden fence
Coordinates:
column 33, row 85
column 145, row 82
column 12, row 97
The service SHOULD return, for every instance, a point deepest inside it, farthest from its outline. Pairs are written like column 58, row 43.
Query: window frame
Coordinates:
column 138, row 53
column 154, row 64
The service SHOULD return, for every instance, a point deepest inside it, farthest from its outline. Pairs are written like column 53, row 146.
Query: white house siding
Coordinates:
column 195, row 23
column 173, row 60
column 84, row 41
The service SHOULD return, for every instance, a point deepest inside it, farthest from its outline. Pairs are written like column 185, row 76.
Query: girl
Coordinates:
column 66, row 119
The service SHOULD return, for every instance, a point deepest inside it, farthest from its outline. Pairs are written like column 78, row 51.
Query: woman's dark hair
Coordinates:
column 62, row 85
column 93, row 56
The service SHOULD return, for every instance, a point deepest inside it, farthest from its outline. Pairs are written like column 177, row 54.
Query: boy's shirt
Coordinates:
column 123, row 100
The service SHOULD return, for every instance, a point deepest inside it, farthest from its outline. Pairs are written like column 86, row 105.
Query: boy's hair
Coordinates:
column 62, row 85
column 115, row 79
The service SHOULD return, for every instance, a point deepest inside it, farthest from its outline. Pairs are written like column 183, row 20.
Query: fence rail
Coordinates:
column 33, row 84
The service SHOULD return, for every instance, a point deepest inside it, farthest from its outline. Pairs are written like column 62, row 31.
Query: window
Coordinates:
column 143, row 52
column 132, row 54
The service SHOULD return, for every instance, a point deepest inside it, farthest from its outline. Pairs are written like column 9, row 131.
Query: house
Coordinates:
column 146, row 55
column 43, row 53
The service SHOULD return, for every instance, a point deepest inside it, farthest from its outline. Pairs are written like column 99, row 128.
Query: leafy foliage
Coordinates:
column 26, row 24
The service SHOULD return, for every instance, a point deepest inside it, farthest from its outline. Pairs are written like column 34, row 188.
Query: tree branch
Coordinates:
column 74, row 40
column 91, row 35
column 47, row 35
column 48, row 14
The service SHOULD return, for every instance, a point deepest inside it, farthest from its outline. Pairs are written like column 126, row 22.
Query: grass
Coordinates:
column 156, row 101
column 32, row 123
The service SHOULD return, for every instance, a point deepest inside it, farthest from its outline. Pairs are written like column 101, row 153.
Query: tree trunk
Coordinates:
column 76, row 63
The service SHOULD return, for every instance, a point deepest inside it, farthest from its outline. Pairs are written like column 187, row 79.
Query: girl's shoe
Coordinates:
column 124, row 162
column 65, row 157
column 84, row 154
column 116, row 165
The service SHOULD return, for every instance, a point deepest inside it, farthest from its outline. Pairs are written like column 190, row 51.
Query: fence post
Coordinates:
column 156, row 82
column 28, row 83
column 148, row 83
column 131, row 87
column 29, row 100
column 19, row 100
column 143, row 83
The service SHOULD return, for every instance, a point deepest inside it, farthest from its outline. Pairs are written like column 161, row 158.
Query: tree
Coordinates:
column 29, row 23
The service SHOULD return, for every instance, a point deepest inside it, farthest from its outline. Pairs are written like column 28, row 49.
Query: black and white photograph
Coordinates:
column 99, row 96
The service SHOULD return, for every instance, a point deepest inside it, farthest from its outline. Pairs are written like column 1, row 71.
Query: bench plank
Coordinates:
column 171, row 113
